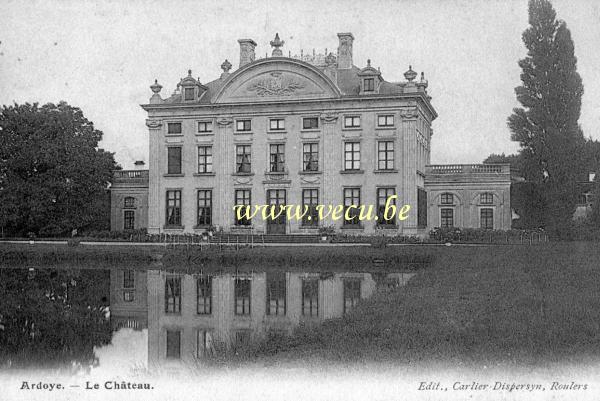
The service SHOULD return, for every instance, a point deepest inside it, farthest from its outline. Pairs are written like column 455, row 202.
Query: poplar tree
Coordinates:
column 546, row 126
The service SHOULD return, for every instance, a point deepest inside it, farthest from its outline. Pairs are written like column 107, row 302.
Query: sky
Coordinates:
column 102, row 56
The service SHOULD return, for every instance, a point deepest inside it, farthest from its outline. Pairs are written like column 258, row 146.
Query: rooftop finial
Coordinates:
column 277, row 43
column 410, row 74
column 189, row 73
column 226, row 66
column 369, row 62
column 156, row 87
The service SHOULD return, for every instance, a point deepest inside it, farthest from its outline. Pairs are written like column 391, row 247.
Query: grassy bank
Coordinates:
column 479, row 306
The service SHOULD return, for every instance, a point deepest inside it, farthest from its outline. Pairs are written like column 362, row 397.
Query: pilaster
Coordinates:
column 154, row 204
column 226, row 153
column 331, row 155
column 409, row 171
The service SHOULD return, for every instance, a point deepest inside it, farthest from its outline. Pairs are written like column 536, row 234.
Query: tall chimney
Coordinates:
column 247, row 47
column 345, row 50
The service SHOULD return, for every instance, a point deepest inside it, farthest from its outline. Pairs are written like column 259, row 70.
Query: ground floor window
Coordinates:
column 447, row 218
column 351, row 198
column 421, row 208
column 173, row 214
column 382, row 197
column 128, row 220
column 204, row 295
column 173, row 344
column 310, row 200
column 486, row 220
column 242, row 199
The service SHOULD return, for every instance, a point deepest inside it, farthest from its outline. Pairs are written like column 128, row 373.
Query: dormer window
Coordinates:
column 369, row 84
column 188, row 94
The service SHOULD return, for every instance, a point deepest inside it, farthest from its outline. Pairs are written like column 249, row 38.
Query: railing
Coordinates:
column 468, row 169
column 130, row 174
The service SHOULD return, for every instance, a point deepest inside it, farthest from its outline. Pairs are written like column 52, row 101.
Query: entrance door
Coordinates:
column 276, row 197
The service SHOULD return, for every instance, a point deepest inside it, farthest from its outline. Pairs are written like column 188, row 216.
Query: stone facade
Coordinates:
column 469, row 196
column 129, row 200
column 287, row 130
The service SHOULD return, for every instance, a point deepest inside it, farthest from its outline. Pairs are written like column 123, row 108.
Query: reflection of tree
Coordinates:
column 52, row 317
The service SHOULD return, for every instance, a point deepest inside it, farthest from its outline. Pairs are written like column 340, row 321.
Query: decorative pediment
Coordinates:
column 276, row 79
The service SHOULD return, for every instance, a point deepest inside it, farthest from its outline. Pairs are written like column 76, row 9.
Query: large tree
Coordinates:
column 546, row 126
column 53, row 176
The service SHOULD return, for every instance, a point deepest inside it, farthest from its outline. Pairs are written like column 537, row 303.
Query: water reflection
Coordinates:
column 111, row 319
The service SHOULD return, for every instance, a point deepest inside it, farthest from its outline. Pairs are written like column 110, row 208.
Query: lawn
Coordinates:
column 474, row 307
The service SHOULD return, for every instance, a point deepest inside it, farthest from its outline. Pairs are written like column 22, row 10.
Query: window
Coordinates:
column 310, row 200
column 382, row 196
column 310, row 123
column 447, row 218
column 276, row 124
column 204, row 217
column 204, row 343
column 128, row 220
column 385, row 121
column 243, row 157
column 487, row 218
column 174, row 208
column 369, row 84
column 129, row 202
column 351, row 156
column 351, row 198
column 310, row 157
column 173, row 295
column 486, row 198
column 310, row 297
column 174, row 160
column 242, row 198
column 173, row 128
column 421, row 208
column 204, row 295
column 242, row 296
column 351, row 122
column 277, row 158
column 351, row 294
column 173, row 344
column 447, row 199
column 188, row 94
column 205, row 160
column 204, row 126
column 243, row 125
column 276, row 294
column 385, row 155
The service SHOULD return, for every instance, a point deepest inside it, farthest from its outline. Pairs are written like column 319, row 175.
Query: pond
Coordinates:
column 117, row 320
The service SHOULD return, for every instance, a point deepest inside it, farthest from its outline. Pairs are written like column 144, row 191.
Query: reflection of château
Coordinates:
column 128, row 293
column 190, row 315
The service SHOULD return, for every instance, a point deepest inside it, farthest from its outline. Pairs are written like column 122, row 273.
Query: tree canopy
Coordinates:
column 53, row 176
column 546, row 126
